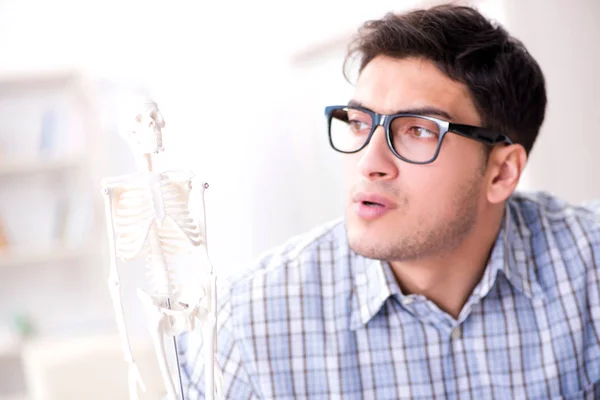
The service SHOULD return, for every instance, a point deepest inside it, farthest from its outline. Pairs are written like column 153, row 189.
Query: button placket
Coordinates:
column 456, row 333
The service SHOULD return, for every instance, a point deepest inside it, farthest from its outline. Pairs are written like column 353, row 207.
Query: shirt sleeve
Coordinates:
column 236, row 380
column 592, row 330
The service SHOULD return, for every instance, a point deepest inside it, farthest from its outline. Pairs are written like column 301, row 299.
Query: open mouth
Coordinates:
column 370, row 210
column 371, row 204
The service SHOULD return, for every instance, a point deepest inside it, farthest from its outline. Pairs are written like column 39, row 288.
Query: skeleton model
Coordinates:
column 148, row 216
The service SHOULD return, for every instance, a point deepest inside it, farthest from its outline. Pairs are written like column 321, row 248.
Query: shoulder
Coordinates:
column 563, row 238
column 289, row 278
column 299, row 255
column 542, row 214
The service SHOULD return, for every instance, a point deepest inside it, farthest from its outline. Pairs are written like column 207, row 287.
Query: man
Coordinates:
column 441, row 281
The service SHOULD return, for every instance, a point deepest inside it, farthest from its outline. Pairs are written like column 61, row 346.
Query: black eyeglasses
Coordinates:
column 412, row 138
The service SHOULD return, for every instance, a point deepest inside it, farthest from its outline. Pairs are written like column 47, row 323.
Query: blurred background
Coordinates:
column 242, row 86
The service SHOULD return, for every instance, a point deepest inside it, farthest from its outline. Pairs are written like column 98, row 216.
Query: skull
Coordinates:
column 145, row 136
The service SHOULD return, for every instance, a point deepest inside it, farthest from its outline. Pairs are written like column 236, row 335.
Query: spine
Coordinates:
column 158, row 271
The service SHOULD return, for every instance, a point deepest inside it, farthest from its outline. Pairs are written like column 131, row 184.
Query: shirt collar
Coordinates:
column 512, row 254
column 374, row 283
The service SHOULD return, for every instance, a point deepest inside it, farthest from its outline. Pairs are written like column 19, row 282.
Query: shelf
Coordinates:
column 19, row 167
column 19, row 257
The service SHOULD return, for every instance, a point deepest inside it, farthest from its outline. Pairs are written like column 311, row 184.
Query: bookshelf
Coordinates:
column 53, row 154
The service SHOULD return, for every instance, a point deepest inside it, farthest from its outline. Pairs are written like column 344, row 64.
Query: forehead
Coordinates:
column 388, row 85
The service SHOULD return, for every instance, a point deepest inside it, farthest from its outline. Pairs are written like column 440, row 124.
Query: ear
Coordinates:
column 505, row 166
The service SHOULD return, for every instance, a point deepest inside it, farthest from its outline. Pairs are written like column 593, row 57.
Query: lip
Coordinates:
column 373, row 198
column 371, row 212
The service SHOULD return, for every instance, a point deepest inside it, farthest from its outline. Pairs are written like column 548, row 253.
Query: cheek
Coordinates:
column 425, row 184
column 434, row 184
column 460, row 153
column 449, row 182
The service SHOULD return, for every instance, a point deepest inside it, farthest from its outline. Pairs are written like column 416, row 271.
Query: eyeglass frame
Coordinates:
column 480, row 134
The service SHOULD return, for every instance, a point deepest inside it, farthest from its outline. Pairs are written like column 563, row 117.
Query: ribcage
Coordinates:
column 179, row 228
column 137, row 209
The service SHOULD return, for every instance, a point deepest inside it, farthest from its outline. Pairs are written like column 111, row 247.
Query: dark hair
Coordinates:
column 506, row 84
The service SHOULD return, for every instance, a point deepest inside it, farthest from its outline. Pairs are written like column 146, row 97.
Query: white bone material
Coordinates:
column 148, row 215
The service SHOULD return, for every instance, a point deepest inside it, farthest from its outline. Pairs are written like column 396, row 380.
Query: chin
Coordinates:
column 362, row 236
column 366, row 246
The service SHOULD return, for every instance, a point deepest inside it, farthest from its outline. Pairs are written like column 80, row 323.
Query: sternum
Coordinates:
column 157, row 199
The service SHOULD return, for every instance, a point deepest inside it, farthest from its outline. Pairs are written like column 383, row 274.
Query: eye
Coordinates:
column 420, row 132
column 358, row 126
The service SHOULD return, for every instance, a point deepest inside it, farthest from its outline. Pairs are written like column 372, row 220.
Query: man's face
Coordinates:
column 424, row 210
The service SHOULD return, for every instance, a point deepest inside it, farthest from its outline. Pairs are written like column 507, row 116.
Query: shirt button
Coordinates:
column 456, row 333
column 407, row 300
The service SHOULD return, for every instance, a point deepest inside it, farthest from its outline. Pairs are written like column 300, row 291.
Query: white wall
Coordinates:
column 563, row 37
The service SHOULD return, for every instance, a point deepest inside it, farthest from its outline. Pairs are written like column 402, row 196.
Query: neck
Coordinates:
column 448, row 279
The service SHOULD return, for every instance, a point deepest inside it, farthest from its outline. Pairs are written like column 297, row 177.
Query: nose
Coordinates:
column 377, row 162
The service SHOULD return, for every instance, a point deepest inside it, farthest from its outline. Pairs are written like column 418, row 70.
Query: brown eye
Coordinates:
column 420, row 132
column 358, row 126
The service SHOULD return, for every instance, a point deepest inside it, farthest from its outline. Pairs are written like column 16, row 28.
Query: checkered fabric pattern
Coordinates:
column 314, row 320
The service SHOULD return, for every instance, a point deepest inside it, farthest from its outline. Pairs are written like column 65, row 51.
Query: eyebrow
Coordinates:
column 429, row 111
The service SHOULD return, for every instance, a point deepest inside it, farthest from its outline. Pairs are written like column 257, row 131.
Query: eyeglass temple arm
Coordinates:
column 481, row 134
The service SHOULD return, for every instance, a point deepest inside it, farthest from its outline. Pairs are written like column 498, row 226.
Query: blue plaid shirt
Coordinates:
column 315, row 320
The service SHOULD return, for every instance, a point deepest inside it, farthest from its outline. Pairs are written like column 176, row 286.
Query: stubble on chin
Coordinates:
column 415, row 238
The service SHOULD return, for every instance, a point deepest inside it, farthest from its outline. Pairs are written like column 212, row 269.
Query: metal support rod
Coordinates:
column 177, row 358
